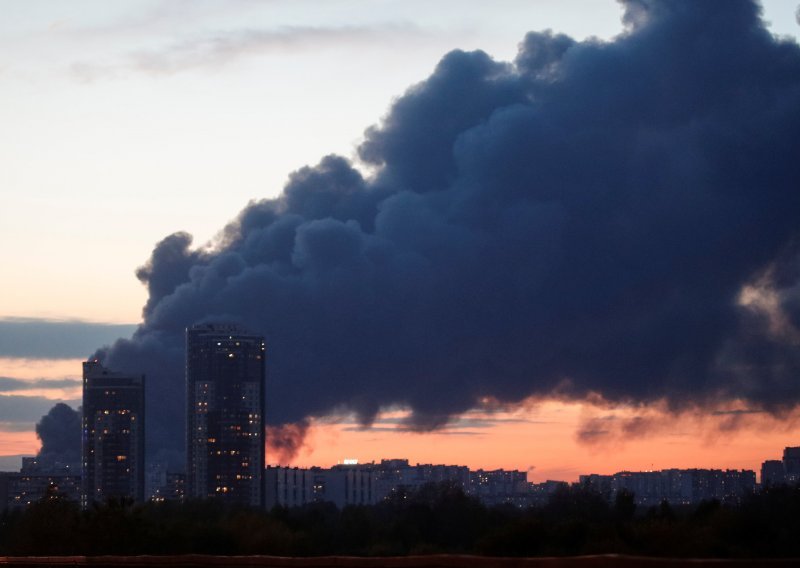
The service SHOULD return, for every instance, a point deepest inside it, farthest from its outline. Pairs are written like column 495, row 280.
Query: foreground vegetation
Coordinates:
column 435, row 519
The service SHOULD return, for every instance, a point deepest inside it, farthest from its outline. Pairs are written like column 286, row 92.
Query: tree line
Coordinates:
column 436, row 518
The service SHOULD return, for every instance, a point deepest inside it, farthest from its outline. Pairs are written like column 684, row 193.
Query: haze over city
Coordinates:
column 558, row 237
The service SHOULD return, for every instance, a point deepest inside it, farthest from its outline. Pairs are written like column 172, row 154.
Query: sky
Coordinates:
column 125, row 123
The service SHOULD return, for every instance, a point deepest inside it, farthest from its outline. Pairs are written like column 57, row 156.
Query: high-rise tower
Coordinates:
column 225, row 414
column 113, row 435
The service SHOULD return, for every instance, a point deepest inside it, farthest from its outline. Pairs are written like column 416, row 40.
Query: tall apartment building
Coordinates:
column 225, row 414
column 113, row 435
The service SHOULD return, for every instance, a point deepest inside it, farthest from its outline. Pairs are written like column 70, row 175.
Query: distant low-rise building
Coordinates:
column 397, row 475
column 676, row 486
column 163, row 485
column 602, row 484
column 36, row 481
column 368, row 484
column 498, row 486
column 772, row 473
column 340, row 485
column 292, row 486
column 540, row 493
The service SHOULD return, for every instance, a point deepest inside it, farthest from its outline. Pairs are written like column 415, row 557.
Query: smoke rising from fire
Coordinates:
column 579, row 221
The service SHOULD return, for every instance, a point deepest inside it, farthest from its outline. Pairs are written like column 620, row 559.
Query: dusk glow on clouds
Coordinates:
column 549, row 440
column 564, row 245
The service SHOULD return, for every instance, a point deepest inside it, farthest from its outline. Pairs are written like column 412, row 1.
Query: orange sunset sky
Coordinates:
column 549, row 439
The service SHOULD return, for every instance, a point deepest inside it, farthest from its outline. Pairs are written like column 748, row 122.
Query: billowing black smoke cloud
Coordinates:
column 582, row 220
column 60, row 433
column 285, row 441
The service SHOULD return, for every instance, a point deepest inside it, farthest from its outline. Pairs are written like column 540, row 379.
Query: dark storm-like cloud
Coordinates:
column 56, row 339
column 580, row 221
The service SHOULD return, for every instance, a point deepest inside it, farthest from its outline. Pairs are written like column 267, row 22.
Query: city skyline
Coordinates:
column 206, row 366
column 371, row 483
column 554, row 254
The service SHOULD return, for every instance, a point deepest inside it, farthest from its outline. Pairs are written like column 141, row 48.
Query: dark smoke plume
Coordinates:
column 581, row 221
column 285, row 441
column 60, row 433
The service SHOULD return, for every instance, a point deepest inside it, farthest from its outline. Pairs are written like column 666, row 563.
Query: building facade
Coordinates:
column 370, row 483
column 342, row 485
column 36, row 481
column 294, row 486
column 772, row 473
column 113, row 435
column 163, row 485
column 676, row 486
column 791, row 464
column 495, row 487
column 225, row 376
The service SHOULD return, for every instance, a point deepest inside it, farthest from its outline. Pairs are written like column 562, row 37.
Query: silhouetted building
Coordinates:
column 295, row 487
column 498, row 486
column 36, row 480
column 342, row 485
column 397, row 475
column 540, row 493
column 772, row 473
column 370, row 483
column 602, row 484
column 155, row 478
column 225, row 414
column 287, row 486
column 113, row 435
column 23, row 489
column 5, row 477
column 677, row 486
column 791, row 464
column 349, row 484
column 162, row 485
